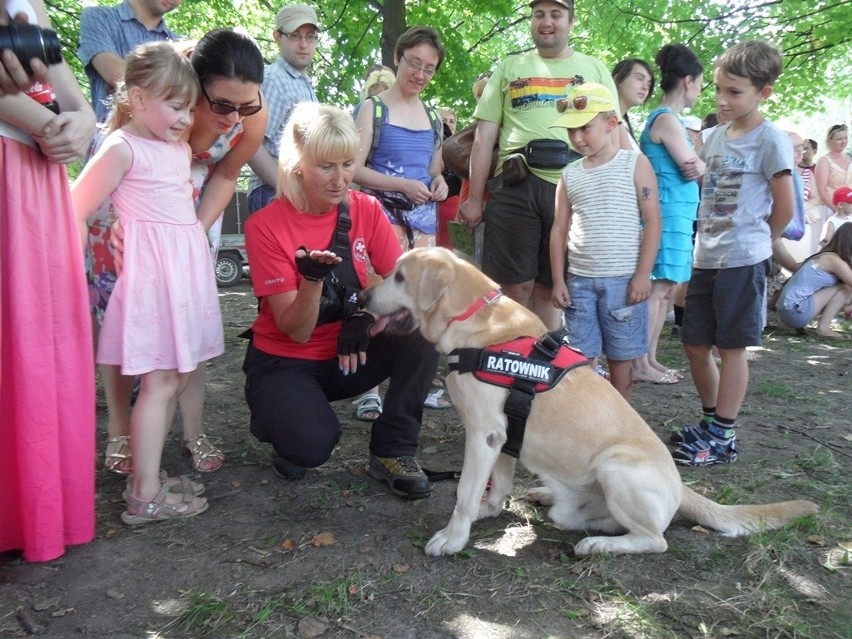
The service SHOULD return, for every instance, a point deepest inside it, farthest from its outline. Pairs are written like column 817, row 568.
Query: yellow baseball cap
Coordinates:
column 582, row 104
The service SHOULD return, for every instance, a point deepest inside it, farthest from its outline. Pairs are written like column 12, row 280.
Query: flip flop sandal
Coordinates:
column 158, row 509
column 436, row 400
column 183, row 486
column 117, row 455
column 202, row 451
column 368, row 407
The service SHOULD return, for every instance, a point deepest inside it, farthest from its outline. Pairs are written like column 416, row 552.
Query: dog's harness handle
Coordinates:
column 548, row 361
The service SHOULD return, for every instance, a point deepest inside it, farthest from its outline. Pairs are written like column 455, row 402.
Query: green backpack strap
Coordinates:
column 437, row 124
column 379, row 117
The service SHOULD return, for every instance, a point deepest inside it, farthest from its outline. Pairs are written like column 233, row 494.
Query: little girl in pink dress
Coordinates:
column 163, row 318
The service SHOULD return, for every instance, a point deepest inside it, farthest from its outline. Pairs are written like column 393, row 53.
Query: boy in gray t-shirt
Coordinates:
column 746, row 201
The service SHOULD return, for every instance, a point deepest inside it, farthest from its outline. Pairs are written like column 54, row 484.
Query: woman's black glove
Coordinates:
column 312, row 269
column 354, row 336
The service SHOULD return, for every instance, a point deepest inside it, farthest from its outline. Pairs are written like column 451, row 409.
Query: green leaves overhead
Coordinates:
column 814, row 36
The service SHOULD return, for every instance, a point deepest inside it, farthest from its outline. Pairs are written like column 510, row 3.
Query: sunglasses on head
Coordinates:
column 226, row 108
column 580, row 103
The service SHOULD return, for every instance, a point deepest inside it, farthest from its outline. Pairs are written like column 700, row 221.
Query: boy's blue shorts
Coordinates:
column 599, row 319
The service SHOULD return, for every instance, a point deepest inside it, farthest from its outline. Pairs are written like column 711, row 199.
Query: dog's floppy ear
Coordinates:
column 435, row 277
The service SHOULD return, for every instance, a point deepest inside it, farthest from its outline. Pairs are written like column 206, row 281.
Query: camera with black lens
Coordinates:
column 31, row 41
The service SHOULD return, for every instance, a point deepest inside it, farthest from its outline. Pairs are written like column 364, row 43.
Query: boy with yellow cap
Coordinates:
column 607, row 220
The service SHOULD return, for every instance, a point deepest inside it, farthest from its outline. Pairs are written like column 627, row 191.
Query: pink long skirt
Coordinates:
column 47, row 392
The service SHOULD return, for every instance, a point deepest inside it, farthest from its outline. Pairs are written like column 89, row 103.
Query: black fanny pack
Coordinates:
column 549, row 154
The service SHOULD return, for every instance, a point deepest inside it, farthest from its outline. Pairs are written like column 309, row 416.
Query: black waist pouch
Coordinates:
column 549, row 154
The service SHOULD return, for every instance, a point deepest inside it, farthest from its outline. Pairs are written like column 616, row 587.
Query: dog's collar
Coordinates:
column 478, row 304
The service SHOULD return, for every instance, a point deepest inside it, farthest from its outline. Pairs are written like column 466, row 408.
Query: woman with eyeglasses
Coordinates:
column 228, row 126
column 402, row 167
column 406, row 159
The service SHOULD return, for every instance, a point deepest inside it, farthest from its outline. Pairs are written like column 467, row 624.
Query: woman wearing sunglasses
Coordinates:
column 228, row 126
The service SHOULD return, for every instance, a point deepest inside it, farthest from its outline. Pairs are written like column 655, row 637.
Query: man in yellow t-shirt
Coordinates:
column 517, row 107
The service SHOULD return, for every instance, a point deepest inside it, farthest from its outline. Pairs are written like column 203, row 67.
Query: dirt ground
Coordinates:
column 336, row 556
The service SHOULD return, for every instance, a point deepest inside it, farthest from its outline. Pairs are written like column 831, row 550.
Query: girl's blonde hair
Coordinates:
column 315, row 133
column 159, row 69
column 380, row 76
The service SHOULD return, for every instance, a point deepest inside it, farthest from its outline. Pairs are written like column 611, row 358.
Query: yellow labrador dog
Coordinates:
column 602, row 466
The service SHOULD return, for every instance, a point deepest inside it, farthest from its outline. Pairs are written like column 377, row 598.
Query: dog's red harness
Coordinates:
column 525, row 366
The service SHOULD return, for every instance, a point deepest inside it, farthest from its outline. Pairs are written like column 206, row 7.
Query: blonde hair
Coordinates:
column 156, row 68
column 379, row 76
column 479, row 86
column 315, row 133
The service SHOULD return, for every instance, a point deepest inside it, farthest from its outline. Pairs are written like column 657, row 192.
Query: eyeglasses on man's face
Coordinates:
column 226, row 108
column 416, row 66
column 295, row 36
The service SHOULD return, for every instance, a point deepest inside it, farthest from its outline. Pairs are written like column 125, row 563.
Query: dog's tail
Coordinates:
column 733, row 521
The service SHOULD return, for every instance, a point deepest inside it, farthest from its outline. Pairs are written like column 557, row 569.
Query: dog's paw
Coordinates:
column 620, row 545
column 592, row 546
column 542, row 495
column 444, row 542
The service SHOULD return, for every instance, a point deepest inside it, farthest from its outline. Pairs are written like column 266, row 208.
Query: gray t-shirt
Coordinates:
column 735, row 197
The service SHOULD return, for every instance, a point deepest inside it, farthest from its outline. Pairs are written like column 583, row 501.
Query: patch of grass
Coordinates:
column 205, row 613
column 331, row 598
column 776, row 389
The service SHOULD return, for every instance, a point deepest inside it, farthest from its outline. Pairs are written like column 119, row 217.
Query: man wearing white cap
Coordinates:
column 285, row 84
column 517, row 108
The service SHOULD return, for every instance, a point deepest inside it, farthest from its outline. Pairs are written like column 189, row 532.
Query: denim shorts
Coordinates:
column 599, row 319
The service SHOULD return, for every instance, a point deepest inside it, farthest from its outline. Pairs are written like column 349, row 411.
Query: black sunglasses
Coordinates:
column 226, row 108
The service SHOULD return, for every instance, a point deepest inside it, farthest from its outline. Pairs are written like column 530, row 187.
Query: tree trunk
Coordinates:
column 393, row 26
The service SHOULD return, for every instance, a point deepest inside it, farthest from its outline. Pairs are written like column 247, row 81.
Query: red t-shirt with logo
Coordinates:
column 272, row 236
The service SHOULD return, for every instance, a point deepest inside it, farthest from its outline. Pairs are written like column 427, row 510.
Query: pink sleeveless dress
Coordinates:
column 164, row 311
column 47, row 377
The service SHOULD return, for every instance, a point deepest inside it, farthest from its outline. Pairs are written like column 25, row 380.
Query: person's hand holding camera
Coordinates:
column 14, row 77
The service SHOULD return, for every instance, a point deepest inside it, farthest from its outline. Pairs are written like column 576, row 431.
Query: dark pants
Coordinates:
column 259, row 197
column 289, row 398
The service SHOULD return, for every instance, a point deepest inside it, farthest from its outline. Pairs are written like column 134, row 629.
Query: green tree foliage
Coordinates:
column 813, row 34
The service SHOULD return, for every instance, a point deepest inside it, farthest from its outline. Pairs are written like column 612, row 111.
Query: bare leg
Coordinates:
column 621, row 376
column 521, row 293
column 704, row 371
column 117, row 390
column 535, row 297
column 828, row 302
column 206, row 457
column 661, row 292
column 733, row 382
column 646, row 368
column 191, row 402
column 541, row 305
column 149, row 424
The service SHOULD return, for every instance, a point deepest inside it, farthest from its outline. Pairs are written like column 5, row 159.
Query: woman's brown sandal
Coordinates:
column 117, row 455
column 205, row 456
column 158, row 509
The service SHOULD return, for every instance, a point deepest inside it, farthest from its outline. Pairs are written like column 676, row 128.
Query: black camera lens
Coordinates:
column 31, row 41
